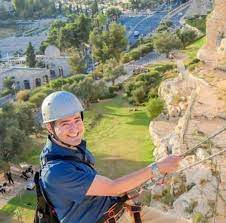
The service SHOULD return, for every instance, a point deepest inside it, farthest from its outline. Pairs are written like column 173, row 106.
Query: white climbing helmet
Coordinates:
column 60, row 104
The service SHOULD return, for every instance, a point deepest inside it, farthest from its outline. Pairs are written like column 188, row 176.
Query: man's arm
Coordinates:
column 103, row 186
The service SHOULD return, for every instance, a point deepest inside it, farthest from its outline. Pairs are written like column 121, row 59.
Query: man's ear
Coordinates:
column 49, row 128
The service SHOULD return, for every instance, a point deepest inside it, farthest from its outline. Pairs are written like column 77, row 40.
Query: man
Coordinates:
column 9, row 177
column 79, row 194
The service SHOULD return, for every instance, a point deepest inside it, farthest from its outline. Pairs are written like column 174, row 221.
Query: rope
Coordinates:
column 147, row 185
column 210, row 137
column 201, row 161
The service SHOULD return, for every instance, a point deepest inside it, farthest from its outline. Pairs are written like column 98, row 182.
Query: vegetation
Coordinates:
column 187, row 36
column 108, row 44
column 198, row 22
column 30, row 56
column 192, row 50
column 145, row 85
column 34, row 8
column 154, row 107
column 139, row 51
column 16, row 124
column 113, row 14
column 111, row 70
column 164, row 42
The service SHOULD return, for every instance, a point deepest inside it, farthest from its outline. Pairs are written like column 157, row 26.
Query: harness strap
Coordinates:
column 116, row 211
column 48, row 158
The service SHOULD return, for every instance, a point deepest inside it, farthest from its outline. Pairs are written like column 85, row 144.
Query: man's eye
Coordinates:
column 65, row 124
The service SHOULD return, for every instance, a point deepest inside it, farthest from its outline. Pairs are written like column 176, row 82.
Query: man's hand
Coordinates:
column 169, row 165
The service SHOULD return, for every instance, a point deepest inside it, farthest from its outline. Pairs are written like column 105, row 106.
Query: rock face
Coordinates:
column 199, row 7
column 194, row 190
column 215, row 49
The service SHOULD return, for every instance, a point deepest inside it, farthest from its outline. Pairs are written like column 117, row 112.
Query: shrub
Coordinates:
column 164, row 67
column 22, row 95
column 138, row 95
column 37, row 99
column 154, row 107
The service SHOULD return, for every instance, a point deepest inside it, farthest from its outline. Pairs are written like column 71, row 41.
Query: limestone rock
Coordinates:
column 201, row 153
column 196, row 200
column 157, row 190
column 198, row 175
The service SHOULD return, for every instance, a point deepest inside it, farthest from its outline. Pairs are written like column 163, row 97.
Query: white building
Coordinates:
column 26, row 78
column 55, row 62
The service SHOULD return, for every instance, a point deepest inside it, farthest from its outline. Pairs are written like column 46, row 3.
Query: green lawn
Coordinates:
column 192, row 50
column 119, row 140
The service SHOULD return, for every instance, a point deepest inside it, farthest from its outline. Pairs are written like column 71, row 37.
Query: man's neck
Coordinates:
column 63, row 145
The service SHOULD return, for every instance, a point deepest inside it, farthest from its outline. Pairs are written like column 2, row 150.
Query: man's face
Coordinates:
column 70, row 130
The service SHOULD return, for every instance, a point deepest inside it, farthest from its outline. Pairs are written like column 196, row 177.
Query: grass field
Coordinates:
column 192, row 50
column 119, row 140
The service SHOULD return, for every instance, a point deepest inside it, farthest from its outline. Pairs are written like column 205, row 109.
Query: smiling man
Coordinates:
column 75, row 189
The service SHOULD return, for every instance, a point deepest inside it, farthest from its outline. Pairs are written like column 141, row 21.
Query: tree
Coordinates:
column 100, row 22
column 13, row 139
column 164, row 26
column 34, row 8
column 74, row 35
column 165, row 42
column 77, row 63
column 112, row 70
column 24, row 116
column 154, row 107
column 8, row 83
column 86, row 91
column 138, row 95
column 53, row 35
column 108, row 44
column 186, row 36
column 114, row 14
column 30, row 56
column 94, row 7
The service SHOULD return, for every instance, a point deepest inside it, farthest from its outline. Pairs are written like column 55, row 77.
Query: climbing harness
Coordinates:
column 45, row 211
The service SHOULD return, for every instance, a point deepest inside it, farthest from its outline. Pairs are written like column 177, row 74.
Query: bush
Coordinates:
column 153, row 93
column 137, row 52
column 138, row 95
column 164, row 67
column 22, row 95
column 37, row 99
column 126, row 58
column 154, row 107
column 199, row 23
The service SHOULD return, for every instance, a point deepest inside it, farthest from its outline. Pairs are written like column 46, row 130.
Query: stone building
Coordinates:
column 55, row 62
column 26, row 78
column 215, row 49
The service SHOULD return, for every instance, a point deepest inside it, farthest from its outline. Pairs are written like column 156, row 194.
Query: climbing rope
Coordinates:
column 199, row 144
column 160, row 180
